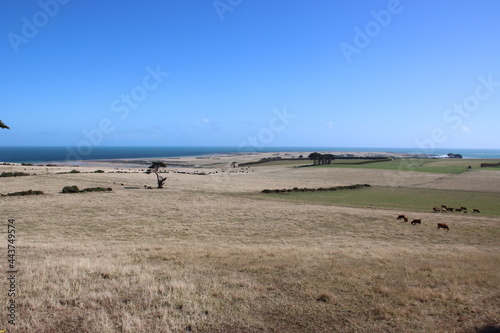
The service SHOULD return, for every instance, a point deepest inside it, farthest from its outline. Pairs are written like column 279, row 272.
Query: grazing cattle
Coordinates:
column 443, row 225
column 405, row 219
column 436, row 209
column 476, row 211
column 400, row 217
column 463, row 208
column 416, row 222
column 458, row 210
column 444, row 209
column 450, row 209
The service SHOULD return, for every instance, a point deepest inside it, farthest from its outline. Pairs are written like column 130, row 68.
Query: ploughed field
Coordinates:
column 211, row 253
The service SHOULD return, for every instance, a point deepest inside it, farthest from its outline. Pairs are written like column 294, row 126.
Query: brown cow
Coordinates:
column 476, row 211
column 416, row 222
column 463, row 208
column 443, row 225
column 405, row 219
column 400, row 217
column 436, row 209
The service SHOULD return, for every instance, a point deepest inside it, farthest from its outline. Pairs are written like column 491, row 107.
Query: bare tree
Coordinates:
column 155, row 168
column 2, row 125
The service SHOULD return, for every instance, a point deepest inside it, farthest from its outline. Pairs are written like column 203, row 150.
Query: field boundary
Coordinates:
column 320, row 189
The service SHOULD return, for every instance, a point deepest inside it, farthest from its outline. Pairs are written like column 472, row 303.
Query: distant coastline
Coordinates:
column 52, row 154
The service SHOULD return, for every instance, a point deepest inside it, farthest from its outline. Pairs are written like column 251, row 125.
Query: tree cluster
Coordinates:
column 319, row 159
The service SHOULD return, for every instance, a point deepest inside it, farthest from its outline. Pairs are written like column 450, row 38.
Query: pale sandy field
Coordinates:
column 208, row 253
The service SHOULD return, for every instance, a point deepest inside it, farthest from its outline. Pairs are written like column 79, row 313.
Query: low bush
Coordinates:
column 490, row 165
column 97, row 189
column 29, row 192
column 68, row 172
column 14, row 174
column 99, row 171
column 336, row 188
column 71, row 189
column 75, row 189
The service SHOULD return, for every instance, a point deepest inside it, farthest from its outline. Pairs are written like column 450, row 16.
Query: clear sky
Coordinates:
column 257, row 72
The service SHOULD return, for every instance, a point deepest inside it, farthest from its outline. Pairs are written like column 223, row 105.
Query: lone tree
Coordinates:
column 2, row 125
column 155, row 168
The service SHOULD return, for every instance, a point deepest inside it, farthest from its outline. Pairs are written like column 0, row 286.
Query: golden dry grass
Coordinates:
column 206, row 255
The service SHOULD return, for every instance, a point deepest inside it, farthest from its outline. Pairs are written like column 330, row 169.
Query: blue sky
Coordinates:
column 239, row 72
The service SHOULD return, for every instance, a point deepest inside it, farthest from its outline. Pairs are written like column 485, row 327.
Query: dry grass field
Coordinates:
column 209, row 253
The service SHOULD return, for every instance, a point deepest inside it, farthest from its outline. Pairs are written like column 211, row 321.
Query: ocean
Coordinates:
column 53, row 154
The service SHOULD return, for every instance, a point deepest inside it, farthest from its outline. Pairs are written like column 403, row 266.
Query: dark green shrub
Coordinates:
column 14, row 174
column 99, row 171
column 71, row 189
column 74, row 171
column 29, row 192
column 97, row 189
column 75, row 189
column 296, row 189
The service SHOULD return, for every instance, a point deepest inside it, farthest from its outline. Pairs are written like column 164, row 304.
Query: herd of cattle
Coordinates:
column 443, row 208
column 419, row 221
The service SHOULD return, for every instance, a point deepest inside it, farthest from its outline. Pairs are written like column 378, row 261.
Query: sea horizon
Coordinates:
column 38, row 154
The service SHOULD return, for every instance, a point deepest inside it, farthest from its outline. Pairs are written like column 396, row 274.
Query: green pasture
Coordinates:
column 441, row 165
column 403, row 199
column 413, row 164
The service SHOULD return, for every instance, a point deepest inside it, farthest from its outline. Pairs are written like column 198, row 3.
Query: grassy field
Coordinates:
column 420, row 165
column 406, row 164
column 213, row 254
column 399, row 199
